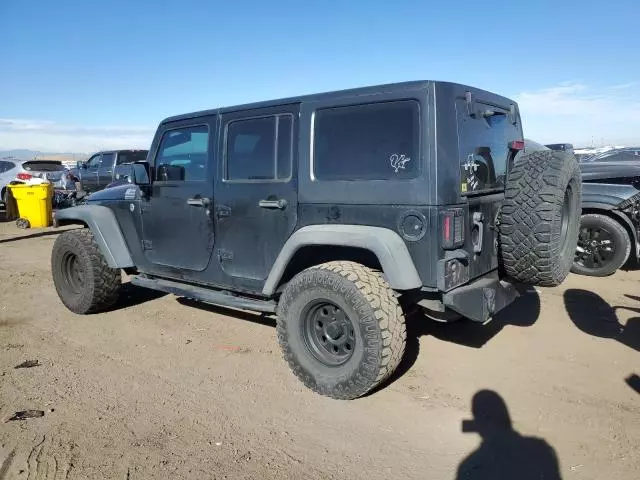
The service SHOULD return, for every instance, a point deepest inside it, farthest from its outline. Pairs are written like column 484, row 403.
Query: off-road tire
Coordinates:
column 621, row 240
column 374, row 311
column 100, row 283
column 538, row 226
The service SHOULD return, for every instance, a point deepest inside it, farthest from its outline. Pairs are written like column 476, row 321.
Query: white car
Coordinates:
column 12, row 169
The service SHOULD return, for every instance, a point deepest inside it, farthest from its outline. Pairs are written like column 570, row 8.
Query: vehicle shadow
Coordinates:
column 594, row 316
column 260, row 318
column 523, row 312
column 45, row 233
column 504, row 453
column 633, row 381
column 131, row 295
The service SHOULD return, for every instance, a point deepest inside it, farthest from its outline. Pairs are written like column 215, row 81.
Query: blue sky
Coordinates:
column 82, row 75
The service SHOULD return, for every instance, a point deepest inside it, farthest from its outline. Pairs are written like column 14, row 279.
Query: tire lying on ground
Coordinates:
column 84, row 281
column 540, row 218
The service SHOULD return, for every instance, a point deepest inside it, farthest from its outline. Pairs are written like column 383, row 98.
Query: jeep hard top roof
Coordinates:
column 409, row 86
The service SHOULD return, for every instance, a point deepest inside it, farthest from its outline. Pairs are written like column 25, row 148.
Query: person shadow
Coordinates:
column 504, row 453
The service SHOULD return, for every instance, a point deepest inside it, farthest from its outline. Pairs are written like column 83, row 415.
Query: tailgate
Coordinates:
column 485, row 135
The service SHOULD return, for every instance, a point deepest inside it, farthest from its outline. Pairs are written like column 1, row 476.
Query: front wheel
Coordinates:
column 603, row 246
column 341, row 329
column 84, row 281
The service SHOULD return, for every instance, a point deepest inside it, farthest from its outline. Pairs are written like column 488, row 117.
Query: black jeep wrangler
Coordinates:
column 335, row 211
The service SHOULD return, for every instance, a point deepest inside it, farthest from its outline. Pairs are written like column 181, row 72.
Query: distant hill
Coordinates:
column 25, row 154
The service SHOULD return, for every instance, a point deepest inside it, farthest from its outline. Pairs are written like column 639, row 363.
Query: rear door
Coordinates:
column 484, row 141
column 105, row 171
column 256, row 197
column 89, row 173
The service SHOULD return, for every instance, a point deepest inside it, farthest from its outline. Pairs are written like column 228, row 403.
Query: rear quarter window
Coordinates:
column 377, row 141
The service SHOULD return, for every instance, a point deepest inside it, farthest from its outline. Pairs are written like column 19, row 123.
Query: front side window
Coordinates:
column 379, row 141
column 94, row 162
column 182, row 155
column 259, row 149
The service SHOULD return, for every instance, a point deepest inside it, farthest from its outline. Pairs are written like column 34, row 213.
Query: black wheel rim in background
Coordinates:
column 598, row 248
column 328, row 333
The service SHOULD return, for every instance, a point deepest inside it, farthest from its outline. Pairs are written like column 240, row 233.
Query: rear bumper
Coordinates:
column 482, row 298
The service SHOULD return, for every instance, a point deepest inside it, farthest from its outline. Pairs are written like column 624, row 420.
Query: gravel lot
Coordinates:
column 164, row 388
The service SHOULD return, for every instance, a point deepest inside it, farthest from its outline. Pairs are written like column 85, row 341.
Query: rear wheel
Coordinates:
column 84, row 281
column 603, row 246
column 341, row 329
column 540, row 218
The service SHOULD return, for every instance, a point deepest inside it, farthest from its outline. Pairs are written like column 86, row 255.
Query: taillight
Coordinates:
column 24, row 176
column 452, row 228
column 517, row 145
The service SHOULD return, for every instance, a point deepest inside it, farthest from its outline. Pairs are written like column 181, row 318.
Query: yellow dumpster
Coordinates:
column 34, row 204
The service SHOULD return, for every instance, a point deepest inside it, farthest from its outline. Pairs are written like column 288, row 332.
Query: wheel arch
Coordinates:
column 374, row 247
column 106, row 231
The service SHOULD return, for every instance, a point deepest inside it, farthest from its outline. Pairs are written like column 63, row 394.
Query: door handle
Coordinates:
column 280, row 204
column 198, row 202
column 109, row 171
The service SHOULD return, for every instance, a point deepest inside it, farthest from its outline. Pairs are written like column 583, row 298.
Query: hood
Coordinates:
column 609, row 170
column 125, row 191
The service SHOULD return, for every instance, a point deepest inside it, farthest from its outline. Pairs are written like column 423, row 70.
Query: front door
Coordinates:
column 256, row 199
column 89, row 173
column 177, row 214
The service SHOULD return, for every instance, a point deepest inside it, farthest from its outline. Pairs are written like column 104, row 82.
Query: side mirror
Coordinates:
column 140, row 174
column 80, row 165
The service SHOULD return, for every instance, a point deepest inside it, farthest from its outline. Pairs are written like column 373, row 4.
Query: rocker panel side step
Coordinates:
column 207, row 295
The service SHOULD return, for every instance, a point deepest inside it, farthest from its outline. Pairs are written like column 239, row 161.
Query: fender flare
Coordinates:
column 106, row 231
column 385, row 244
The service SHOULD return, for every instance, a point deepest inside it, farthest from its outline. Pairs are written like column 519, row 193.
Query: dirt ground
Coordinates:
column 164, row 388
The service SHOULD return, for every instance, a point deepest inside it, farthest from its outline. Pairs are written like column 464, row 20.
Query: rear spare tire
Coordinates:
column 540, row 218
column 84, row 281
column 341, row 329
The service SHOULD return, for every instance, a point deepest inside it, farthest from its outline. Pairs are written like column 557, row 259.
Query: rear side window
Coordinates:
column 259, row 149
column 6, row 166
column 484, row 148
column 377, row 141
column 107, row 160
column 131, row 157
column 182, row 155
